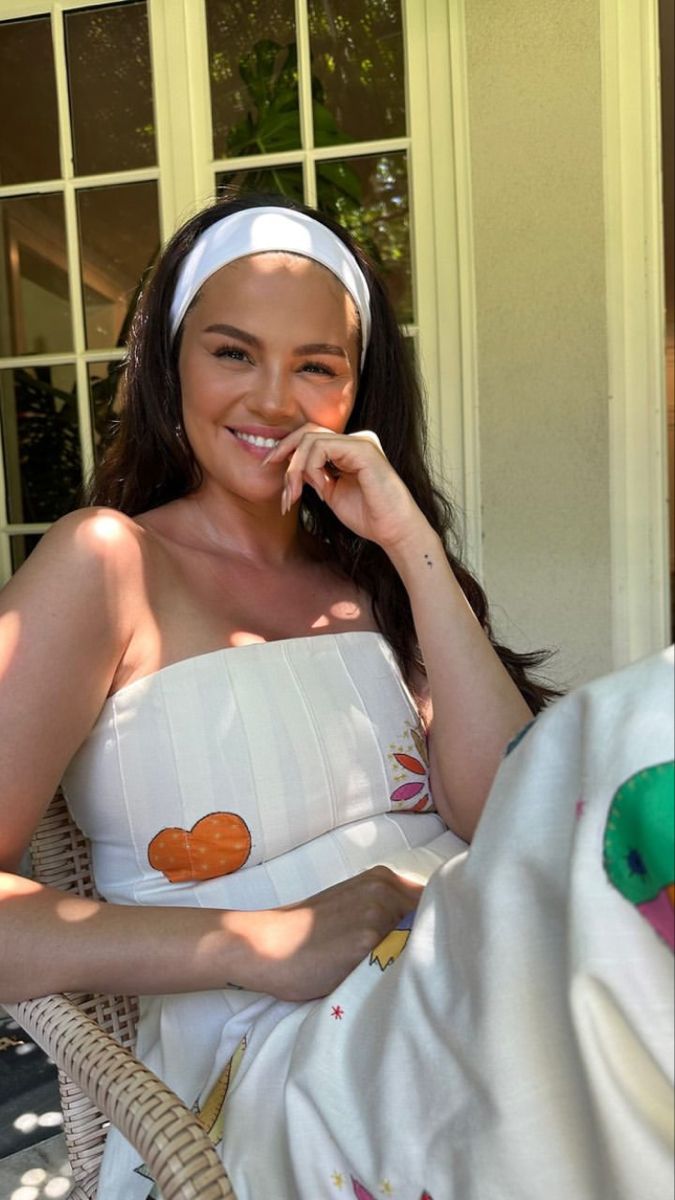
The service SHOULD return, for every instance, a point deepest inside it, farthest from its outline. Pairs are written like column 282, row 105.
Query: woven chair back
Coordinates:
column 60, row 857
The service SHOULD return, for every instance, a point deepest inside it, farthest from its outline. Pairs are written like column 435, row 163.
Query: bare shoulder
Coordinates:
column 89, row 560
column 65, row 620
column 88, row 535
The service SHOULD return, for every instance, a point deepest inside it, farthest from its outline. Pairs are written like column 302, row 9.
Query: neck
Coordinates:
column 257, row 533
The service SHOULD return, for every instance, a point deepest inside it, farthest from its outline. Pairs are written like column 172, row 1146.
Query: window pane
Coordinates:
column 278, row 181
column 119, row 240
column 104, row 381
column 35, row 313
column 29, row 140
column 40, row 443
column 108, row 58
column 369, row 196
column 254, row 82
column 20, row 546
column 358, row 70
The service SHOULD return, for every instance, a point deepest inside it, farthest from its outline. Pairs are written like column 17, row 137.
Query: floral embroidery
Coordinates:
column 638, row 846
column 362, row 1192
column 411, row 758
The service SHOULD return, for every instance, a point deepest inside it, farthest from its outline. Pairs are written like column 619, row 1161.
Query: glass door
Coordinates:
column 79, row 227
column 128, row 116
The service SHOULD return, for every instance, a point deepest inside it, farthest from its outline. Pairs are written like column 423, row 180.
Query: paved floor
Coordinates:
column 40, row 1172
column 33, row 1160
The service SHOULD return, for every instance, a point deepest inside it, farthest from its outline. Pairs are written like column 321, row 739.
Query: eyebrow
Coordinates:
column 232, row 331
column 251, row 340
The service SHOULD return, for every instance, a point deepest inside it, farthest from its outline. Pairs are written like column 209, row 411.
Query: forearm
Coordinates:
column 476, row 707
column 51, row 941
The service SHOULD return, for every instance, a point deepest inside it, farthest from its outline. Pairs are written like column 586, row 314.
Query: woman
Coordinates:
column 232, row 656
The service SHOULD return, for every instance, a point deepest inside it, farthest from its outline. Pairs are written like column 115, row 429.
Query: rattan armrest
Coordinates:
column 165, row 1133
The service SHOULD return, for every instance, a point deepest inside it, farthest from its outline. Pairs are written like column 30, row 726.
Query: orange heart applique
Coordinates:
column 217, row 845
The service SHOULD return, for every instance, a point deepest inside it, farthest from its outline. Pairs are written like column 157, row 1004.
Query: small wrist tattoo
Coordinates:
column 428, row 560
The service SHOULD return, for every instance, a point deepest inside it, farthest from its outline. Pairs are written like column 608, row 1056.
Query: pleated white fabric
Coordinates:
column 247, row 778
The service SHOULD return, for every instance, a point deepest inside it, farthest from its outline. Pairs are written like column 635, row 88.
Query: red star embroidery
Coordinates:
column 579, row 808
column 337, row 1012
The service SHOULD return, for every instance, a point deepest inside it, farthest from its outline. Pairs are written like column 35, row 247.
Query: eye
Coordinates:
column 317, row 368
column 235, row 353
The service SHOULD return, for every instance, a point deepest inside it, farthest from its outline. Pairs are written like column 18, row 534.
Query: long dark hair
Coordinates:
column 149, row 462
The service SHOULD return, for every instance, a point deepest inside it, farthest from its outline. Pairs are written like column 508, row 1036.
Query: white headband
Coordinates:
column 256, row 230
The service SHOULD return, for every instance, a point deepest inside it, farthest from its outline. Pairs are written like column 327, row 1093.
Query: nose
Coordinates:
column 273, row 396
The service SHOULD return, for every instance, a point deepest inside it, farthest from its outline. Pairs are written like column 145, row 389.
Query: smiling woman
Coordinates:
column 264, row 672
column 291, row 359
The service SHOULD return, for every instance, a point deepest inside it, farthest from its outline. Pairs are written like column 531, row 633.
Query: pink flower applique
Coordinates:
column 410, row 769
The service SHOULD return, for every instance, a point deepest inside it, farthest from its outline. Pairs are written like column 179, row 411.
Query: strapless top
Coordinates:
column 253, row 775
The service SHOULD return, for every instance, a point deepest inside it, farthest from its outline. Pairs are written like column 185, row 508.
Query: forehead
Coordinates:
column 280, row 272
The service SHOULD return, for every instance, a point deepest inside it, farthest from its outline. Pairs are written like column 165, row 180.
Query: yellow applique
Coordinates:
column 390, row 948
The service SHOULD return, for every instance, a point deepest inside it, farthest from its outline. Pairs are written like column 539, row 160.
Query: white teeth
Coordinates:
column 266, row 443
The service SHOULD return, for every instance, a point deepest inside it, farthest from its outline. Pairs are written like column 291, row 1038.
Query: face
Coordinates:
column 270, row 344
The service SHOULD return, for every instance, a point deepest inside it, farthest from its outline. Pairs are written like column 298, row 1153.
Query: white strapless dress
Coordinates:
column 247, row 778
column 516, row 1042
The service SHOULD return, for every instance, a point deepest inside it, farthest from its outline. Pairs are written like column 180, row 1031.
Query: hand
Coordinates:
column 351, row 473
column 303, row 951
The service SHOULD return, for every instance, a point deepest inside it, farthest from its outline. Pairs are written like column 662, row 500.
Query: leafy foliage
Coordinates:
column 49, row 449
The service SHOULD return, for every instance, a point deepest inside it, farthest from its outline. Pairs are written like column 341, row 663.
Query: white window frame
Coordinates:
column 439, row 206
column 68, row 185
column 636, row 329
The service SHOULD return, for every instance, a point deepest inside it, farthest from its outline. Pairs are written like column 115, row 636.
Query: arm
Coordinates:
column 65, row 621
column 472, row 706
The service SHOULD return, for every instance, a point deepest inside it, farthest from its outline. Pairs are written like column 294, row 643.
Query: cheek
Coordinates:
column 333, row 408
column 205, row 391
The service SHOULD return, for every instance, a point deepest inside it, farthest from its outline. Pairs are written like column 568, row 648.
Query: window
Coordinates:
column 128, row 116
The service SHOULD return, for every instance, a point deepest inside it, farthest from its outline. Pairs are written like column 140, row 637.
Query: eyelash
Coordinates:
column 320, row 368
column 226, row 351
column 240, row 355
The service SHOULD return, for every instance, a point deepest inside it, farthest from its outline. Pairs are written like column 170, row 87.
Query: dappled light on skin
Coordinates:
column 16, row 888
column 342, row 610
column 77, row 910
column 10, row 632
column 241, row 637
column 321, row 622
column 266, row 940
column 108, row 530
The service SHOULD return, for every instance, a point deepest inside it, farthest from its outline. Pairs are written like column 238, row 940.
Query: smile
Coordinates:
column 263, row 442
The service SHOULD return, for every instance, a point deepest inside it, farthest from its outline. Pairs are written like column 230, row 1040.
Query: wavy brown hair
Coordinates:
column 149, row 460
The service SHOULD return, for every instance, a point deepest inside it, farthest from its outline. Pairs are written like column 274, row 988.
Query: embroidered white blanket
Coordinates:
column 515, row 1041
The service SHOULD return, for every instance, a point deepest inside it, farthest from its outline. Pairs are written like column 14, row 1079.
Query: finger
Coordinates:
column 308, row 464
column 292, row 440
column 320, row 471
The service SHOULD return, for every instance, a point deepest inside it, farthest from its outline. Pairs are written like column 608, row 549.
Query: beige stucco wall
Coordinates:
column 535, row 130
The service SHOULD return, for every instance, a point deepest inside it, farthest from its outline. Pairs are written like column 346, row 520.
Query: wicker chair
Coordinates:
column 91, row 1039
